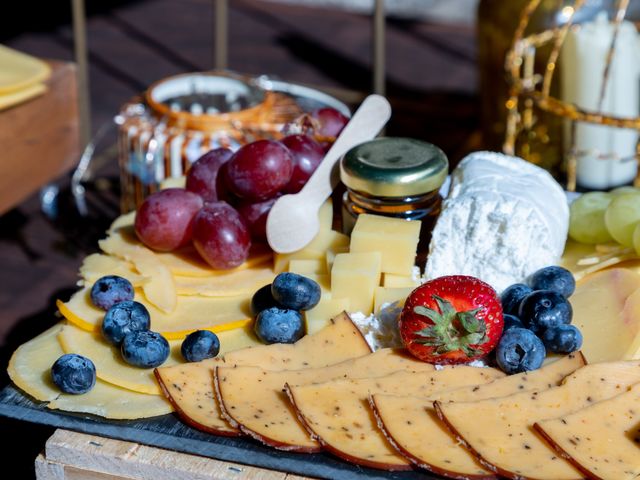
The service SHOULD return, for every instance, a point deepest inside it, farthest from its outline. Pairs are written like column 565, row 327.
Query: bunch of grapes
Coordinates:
column 228, row 196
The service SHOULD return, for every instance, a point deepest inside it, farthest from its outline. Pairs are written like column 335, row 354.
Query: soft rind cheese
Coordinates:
column 503, row 219
column 413, row 428
column 252, row 400
column 337, row 414
column 500, row 431
column 602, row 440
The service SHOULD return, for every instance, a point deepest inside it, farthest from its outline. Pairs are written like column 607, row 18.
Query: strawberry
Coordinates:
column 451, row 319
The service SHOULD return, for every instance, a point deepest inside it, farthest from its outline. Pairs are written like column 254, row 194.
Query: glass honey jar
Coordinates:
column 394, row 177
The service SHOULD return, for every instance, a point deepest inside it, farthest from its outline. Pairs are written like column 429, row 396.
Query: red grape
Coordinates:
column 221, row 236
column 331, row 121
column 307, row 155
column 164, row 221
column 202, row 177
column 259, row 170
column 255, row 215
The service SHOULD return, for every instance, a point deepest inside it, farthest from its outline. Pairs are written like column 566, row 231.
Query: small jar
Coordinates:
column 394, row 177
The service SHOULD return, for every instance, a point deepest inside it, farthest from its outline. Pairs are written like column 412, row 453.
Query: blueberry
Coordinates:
column 562, row 339
column 74, row 374
column 262, row 300
column 512, row 296
column 110, row 290
column 295, row 291
column 519, row 350
column 544, row 309
column 144, row 349
column 200, row 345
column 511, row 321
column 124, row 318
column 553, row 278
column 279, row 325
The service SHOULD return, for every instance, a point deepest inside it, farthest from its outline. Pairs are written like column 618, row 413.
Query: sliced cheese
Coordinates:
column 337, row 414
column 337, row 342
column 327, row 308
column 30, row 367
column 499, row 431
column 217, row 314
column 241, row 282
column 19, row 70
column 189, row 387
column 187, row 262
column 606, row 309
column 395, row 238
column 252, row 398
column 602, row 440
column 124, row 222
column 97, row 265
column 355, row 276
column 413, row 428
column 160, row 290
column 110, row 367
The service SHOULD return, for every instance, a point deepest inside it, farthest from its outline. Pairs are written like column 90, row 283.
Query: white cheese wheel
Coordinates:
column 504, row 218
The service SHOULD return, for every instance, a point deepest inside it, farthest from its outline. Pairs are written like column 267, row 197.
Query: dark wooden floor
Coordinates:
column 431, row 84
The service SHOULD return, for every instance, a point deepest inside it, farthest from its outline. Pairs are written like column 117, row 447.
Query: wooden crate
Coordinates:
column 77, row 456
column 39, row 138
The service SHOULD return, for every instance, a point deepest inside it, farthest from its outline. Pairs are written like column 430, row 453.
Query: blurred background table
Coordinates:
column 431, row 82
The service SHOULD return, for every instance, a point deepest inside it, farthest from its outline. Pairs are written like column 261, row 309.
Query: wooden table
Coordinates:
column 77, row 456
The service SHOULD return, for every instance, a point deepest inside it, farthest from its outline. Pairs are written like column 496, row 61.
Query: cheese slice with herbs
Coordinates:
column 500, row 431
column 413, row 428
column 602, row 440
column 160, row 290
column 217, row 314
column 110, row 367
column 606, row 309
column 253, row 401
column 337, row 413
column 30, row 370
column 189, row 387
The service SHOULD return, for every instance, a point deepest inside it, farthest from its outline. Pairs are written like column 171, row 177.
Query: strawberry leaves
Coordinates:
column 451, row 330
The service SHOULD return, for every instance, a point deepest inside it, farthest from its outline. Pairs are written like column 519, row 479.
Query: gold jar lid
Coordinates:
column 394, row 167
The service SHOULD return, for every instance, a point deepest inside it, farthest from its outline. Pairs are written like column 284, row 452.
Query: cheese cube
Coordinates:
column 320, row 316
column 323, row 280
column 355, row 276
column 304, row 267
column 316, row 250
column 390, row 295
column 331, row 254
column 393, row 280
column 395, row 238
column 325, row 215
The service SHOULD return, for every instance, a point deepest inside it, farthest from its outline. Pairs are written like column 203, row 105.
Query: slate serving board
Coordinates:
column 169, row 432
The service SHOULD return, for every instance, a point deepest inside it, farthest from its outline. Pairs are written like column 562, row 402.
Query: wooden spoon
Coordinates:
column 293, row 219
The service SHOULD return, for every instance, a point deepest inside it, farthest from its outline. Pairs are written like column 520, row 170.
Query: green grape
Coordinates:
column 621, row 217
column 636, row 239
column 586, row 224
column 624, row 190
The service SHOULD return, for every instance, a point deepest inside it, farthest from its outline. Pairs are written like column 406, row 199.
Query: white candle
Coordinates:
column 602, row 163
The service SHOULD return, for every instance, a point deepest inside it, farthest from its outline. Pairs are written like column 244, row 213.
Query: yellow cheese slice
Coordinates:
column 413, row 428
column 160, row 290
column 327, row 308
column 191, row 313
column 241, row 282
column 97, row 265
column 187, row 262
column 8, row 100
column 606, row 309
column 337, row 414
column 19, row 70
column 110, row 367
column 252, row 399
column 124, row 222
column 174, row 182
column 30, row 365
column 582, row 260
column 499, row 431
column 602, row 440
column 29, row 368
column 192, row 392
column 337, row 342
